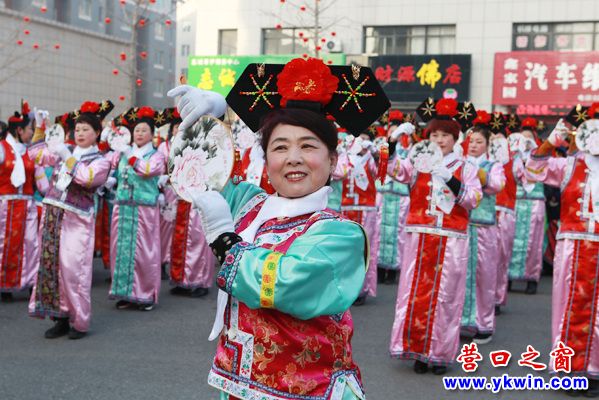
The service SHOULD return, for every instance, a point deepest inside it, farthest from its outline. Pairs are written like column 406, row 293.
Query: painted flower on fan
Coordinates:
column 90, row 107
column 529, row 122
column 482, row 118
column 447, row 107
column 146, row 112
column 188, row 172
column 306, row 80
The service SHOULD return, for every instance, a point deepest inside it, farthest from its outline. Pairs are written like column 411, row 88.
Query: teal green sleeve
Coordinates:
column 321, row 273
column 237, row 195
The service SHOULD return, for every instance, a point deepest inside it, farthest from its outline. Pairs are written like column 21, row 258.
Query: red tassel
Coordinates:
column 383, row 163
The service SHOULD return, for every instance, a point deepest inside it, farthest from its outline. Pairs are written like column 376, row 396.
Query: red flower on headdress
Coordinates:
column 90, row 107
column 63, row 119
column 25, row 108
column 529, row 122
column 381, row 131
column 146, row 112
column 395, row 115
column 447, row 107
column 594, row 110
column 306, row 80
column 482, row 118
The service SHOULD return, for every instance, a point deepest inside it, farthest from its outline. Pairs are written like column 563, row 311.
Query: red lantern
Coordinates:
column 123, row 56
column 305, row 40
column 115, row 71
column 44, row 9
column 138, row 82
column 26, row 32
column 168, row 22
column 122, row 98
column 123, row 2
column 152, row 1
column 303, row 8
column 329, row 62
column 301, row 34
column 20, row 42
column 107, row 20
column 333, row 34
column 142, row 22
column 278, row 26
column 318, row 48
column 282, row 1
column 36, row 46
column 26, row 19
column 57, row 46
column 323, row 40
column 143, row 55
column 305, row 55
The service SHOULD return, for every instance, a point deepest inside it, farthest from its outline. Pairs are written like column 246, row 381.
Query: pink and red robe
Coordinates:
column 67, row 235
column 430, row 295
column 575, row 298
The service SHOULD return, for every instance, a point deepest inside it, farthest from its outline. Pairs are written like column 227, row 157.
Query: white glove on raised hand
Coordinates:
column 194, row 103
column 110, row 182
column 61, row 150
column 215, row 213
column 162, row 180
column 161, row 200
column 40, row 117
column 404, row 129
column 559, row 134
column 442, row 172
column 356, row 146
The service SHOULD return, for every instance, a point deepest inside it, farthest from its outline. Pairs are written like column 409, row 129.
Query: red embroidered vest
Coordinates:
column 576, row 208
column 277, row 354
column 507, row 197
column 6, row 187
column 354, row 198
column 420, row 216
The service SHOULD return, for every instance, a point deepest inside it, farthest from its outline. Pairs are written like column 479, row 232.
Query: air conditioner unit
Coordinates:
column 333, row 46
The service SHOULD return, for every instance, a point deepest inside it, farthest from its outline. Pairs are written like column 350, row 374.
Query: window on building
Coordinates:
column 159, row 59
column 426, row 39
column 285, row 41
column 159, row 31
column 185, row 50
column 186, row 27
column 227, row 41
column 85, row 9
column 159, row 88
column 39, row 3
column 184, row 72
column 567, row 36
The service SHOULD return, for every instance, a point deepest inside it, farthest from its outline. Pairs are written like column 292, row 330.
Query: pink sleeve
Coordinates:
column 162, row 149
column 155, row 166
column 342, row 167
column 41, row 180
column 400, row 169
column 470, row 191
column 43, row 157
column 93, row 175
column 495, row 179
column 113, row 158
column 549, row 170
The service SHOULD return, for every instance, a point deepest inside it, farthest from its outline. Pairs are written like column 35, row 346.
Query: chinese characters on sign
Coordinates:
column 407, row 78
column 561, row 355
column 546, row 78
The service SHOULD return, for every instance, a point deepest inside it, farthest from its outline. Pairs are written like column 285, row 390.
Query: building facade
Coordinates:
column 57, row 53
column 420, row 48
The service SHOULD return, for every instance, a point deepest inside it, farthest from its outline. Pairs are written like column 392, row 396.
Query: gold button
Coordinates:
column 577, row 213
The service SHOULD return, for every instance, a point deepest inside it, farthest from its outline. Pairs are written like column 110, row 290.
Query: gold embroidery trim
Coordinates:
column 70, row 162
column 147, row 168
column 90, row 180
column 269, row 277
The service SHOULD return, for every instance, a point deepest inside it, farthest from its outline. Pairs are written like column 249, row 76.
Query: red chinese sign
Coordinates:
column 546, row 78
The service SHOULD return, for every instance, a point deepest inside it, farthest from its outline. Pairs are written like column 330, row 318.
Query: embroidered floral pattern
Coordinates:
column 227, row 273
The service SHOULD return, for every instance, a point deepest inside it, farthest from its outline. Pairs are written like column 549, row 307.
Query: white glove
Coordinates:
column 104, row 134
column 40, row 117
column 404, row 129
column 61, row 150
column 356, row 146
column 366, row 144
column 559, row 133
column 215, row 213
column 123, row 149
column 162, row 181
column 442, row 172
column 110, row 182
column 161, row 200
column 194, row 103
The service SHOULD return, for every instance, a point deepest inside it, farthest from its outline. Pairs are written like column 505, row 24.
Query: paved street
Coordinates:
column 164, row 354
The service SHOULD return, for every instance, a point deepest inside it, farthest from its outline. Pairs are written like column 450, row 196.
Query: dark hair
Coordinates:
column 311, row 120
column 484, row 131
column 91, row 120
column 148, row 121
column 3, row 130
column 171, row 127
column 446, row 125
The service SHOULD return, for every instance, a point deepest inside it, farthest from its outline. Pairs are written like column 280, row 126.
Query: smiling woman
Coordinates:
column 291, row 268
